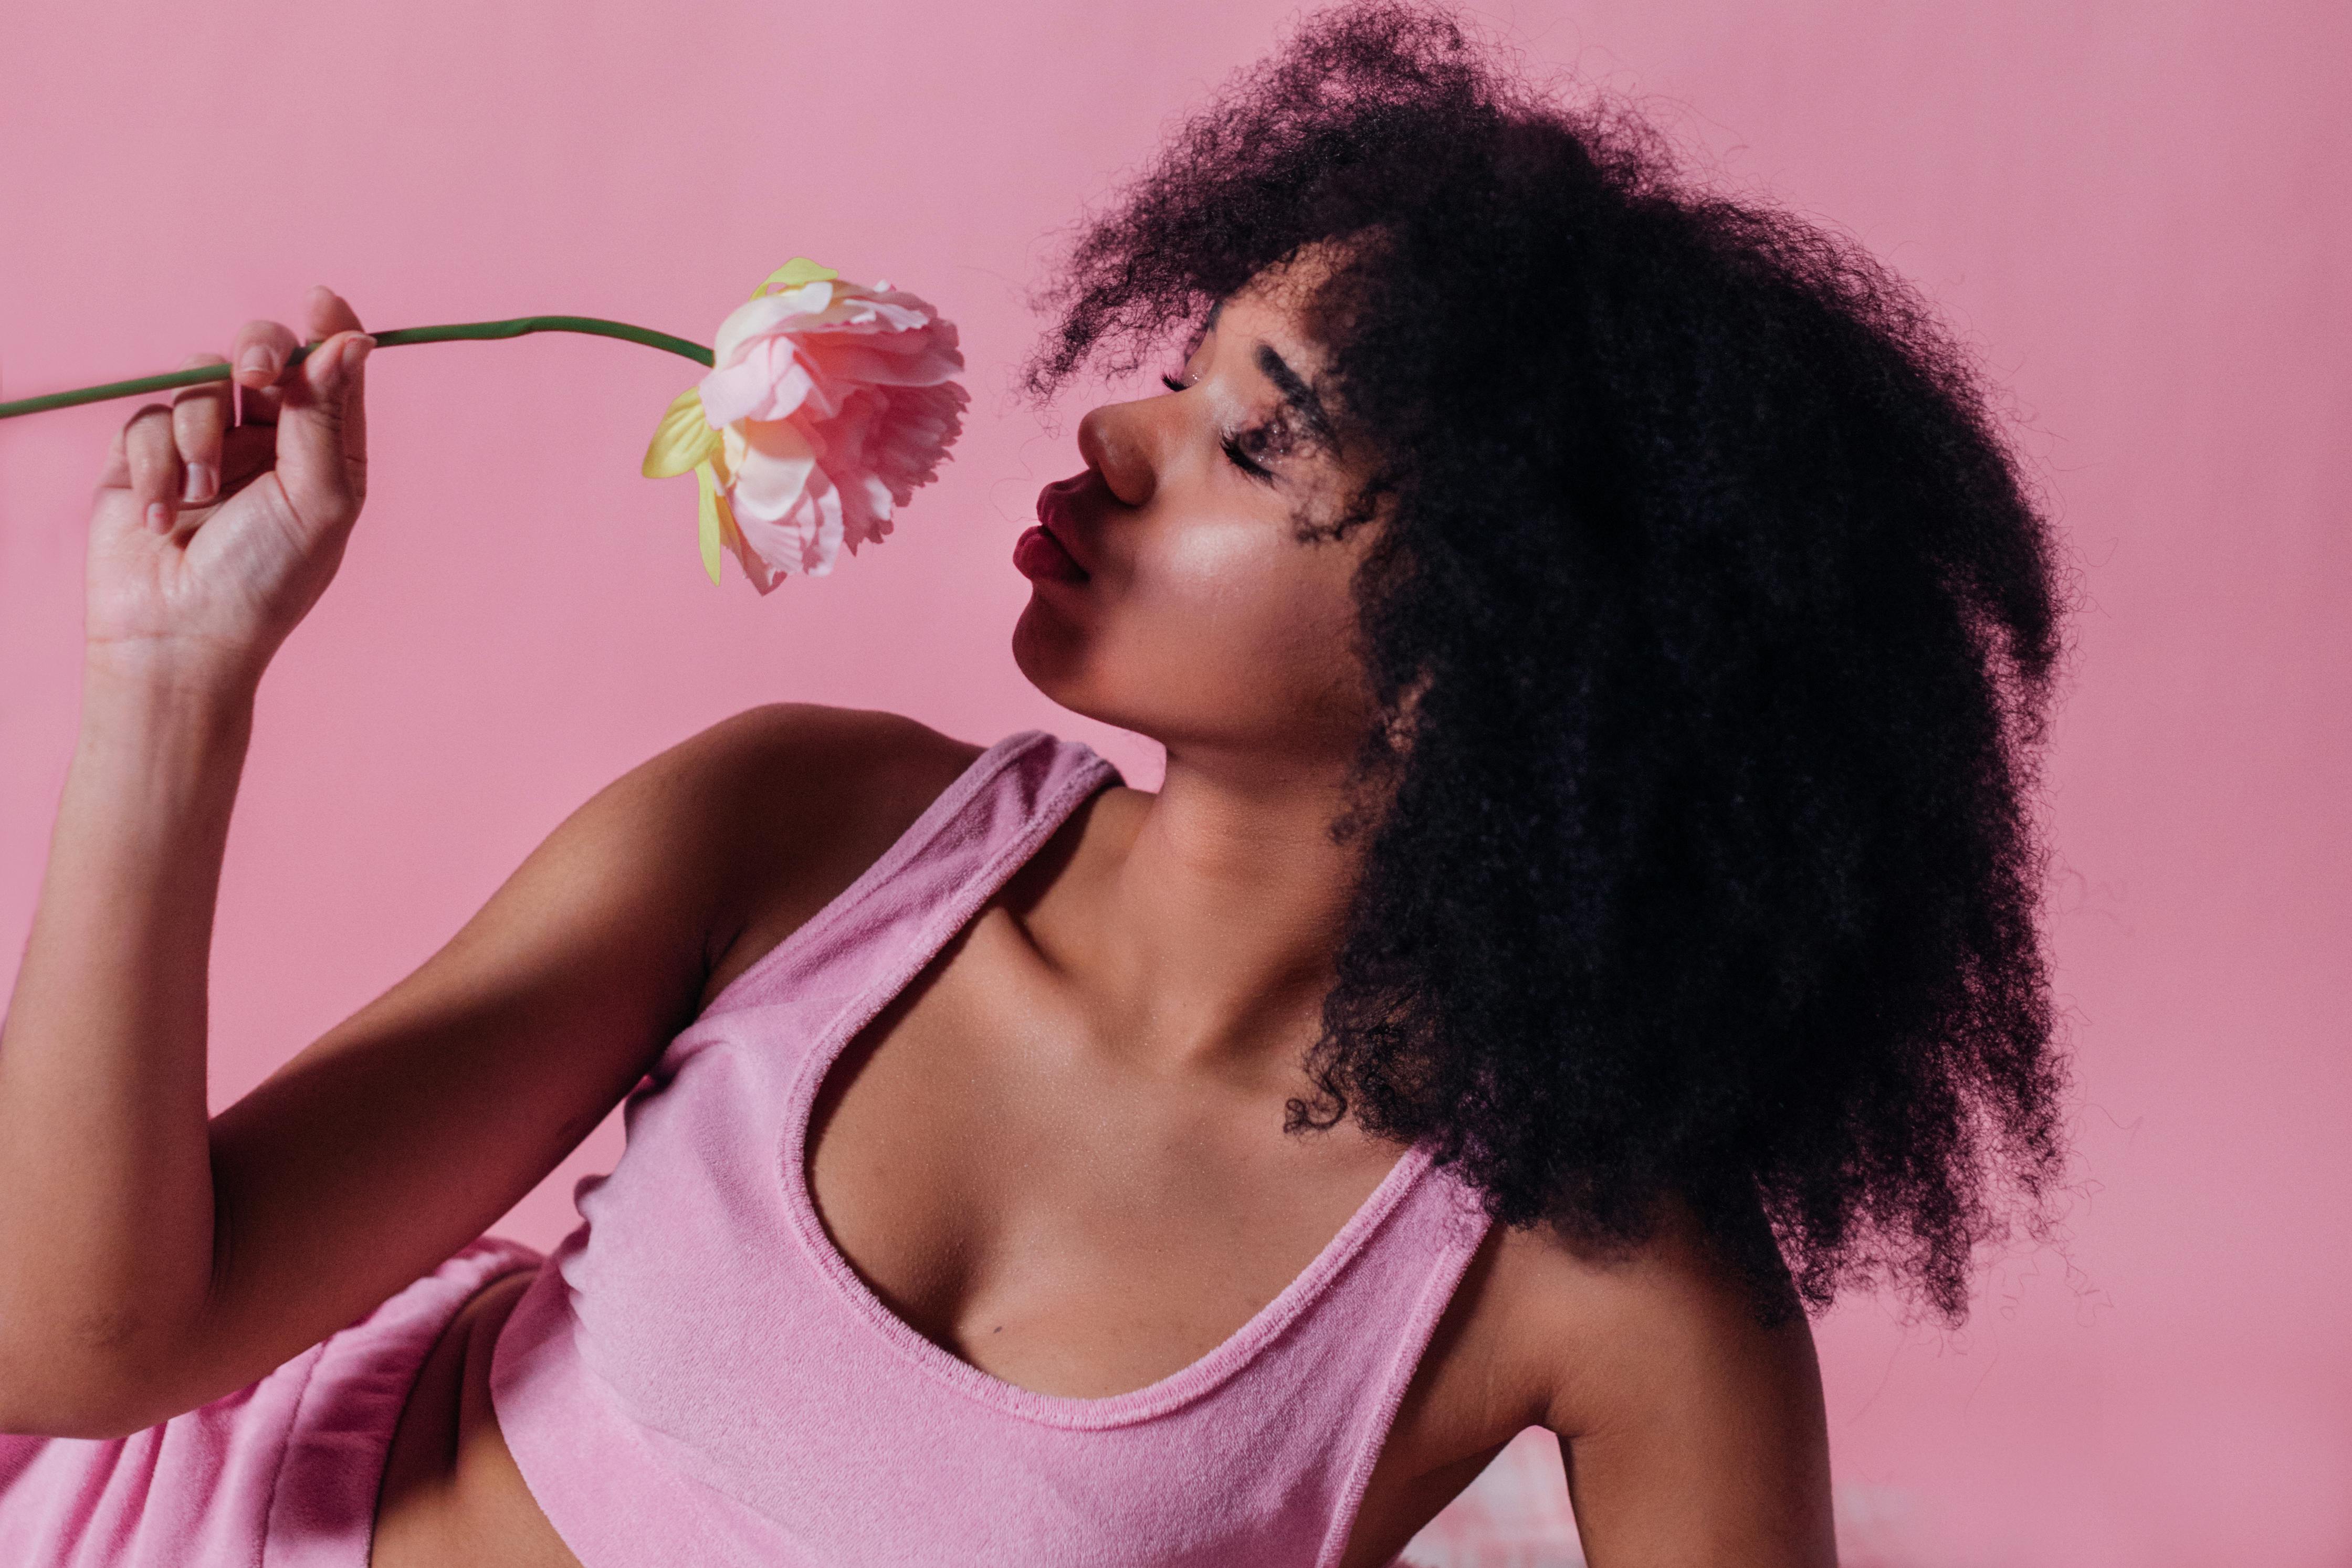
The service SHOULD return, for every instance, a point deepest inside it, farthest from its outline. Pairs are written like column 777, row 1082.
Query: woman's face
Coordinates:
column 1174, row 594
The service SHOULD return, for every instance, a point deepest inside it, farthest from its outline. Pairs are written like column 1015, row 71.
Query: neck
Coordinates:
column 1222, row 904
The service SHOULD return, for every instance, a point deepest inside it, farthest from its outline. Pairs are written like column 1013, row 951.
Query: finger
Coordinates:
column 154, row 458
column 200, row 416
column 259, row 353
column 248, row 451
column 115, row 473
column 355, row 445
column 320, row 420
column 329, row 313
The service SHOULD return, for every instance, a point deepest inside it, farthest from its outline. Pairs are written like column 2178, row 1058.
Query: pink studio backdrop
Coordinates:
column 2135, row 210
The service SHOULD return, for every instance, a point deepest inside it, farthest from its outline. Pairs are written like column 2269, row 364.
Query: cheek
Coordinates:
column 1237, row 634
column 1248, row 621
column 1250, row 596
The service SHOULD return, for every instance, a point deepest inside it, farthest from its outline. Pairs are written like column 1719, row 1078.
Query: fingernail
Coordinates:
column 255, row 359
column 356, row 353
column 159, row 517
column 201, row 481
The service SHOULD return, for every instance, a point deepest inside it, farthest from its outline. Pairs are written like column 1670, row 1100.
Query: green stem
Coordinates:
column 391, row 339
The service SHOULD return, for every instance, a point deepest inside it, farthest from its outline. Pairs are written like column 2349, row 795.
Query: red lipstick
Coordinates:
column 1044, row 552
column 1037, row 555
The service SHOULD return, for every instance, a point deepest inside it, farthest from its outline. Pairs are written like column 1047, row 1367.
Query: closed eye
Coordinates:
column 1234, row 451
column 1245, row 461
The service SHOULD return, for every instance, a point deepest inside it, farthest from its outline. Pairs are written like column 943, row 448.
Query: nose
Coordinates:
column 1116, row 442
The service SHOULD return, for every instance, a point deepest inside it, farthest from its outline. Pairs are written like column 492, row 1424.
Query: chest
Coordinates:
column 1053, row 1204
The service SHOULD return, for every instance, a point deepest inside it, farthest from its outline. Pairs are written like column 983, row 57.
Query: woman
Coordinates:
column 1599, row 641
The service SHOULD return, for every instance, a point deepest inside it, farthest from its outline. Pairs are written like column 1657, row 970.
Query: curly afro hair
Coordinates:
column 1713, row 629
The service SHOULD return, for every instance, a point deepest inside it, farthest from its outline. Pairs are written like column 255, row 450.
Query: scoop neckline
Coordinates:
column 1180, row 1387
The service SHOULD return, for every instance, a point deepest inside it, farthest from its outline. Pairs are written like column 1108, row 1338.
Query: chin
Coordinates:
column 1053, row 654
column 1069, row 666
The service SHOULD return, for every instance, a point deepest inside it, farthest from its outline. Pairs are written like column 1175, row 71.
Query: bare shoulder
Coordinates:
column 1693, row 1429
column 1614, row 1326
column 844, row 761
column 800, row 799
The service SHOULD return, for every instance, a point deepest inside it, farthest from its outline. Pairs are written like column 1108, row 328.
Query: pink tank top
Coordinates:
column 698, row 1376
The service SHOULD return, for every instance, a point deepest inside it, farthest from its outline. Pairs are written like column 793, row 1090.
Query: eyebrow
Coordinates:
column 1295, row 392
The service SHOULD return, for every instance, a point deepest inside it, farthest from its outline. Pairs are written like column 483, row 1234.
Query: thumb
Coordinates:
column 322, row 433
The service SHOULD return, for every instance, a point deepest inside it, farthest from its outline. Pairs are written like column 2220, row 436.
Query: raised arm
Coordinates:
column 107, row 1238
column 151, row 1261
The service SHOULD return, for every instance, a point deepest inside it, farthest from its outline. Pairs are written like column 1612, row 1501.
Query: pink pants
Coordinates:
column 281, row 1474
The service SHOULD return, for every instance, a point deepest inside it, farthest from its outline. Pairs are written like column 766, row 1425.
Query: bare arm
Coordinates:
column 106, row 1245
column 152, row 1260
column 1692, row 1436
column 109, row 1229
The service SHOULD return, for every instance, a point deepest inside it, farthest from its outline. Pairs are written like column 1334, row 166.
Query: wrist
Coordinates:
column 147, row 800
column 197, row 681
column 198, row 713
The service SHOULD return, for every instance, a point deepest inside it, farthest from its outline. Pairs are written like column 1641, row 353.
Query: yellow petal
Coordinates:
column 729, row 533
column 683, row 439
column 712, row 502
column 794, row 273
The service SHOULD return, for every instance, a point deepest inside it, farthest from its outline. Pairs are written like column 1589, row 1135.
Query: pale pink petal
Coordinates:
column 913, row 440
column 770, row 381
column 835, row 404
column 865, row 510
column 769, row 464
column 864, row 502
column 920, row 360
column 768, row 313
column 805, row 543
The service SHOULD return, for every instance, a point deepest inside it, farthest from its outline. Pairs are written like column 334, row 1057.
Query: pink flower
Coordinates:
column 828, row 405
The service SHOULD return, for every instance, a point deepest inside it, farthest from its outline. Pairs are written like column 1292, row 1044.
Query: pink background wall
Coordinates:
column 2136, row 209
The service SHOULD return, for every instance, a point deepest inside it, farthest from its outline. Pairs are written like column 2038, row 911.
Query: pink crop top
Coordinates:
column 698, row 1376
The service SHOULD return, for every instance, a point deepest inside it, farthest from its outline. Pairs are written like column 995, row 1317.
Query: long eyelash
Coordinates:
column 1232, row 443
column 1245, row 461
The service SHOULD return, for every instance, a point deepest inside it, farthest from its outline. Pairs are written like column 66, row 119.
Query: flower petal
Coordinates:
column 805, row 540
column 832, row 402
column 769, row 380
column 706, row 483
column 794, row 273
column 908, row 360
column 772, row 463
column 794, row 309
column 682, row 439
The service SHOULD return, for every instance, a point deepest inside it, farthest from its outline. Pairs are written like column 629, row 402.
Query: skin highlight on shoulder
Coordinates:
column 766, row 775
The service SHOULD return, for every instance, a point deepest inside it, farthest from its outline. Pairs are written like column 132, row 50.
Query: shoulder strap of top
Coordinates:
column 976, row 833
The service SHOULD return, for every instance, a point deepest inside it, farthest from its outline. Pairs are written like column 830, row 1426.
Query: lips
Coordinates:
column 1044, row 552
column 1054, row 515
column 1039, row 557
